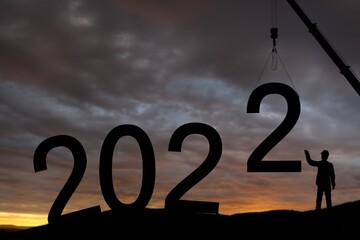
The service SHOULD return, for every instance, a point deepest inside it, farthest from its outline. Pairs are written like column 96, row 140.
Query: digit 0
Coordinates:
column 105, row 169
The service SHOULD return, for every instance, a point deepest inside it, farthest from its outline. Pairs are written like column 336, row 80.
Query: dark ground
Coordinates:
column 341, row 222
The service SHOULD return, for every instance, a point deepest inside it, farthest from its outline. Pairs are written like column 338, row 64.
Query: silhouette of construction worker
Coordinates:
column 325, row 178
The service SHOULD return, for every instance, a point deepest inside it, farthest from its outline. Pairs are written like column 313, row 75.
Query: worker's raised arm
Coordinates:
column 309, row 160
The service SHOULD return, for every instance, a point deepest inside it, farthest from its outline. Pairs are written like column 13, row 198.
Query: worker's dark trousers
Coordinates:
column 320, row 192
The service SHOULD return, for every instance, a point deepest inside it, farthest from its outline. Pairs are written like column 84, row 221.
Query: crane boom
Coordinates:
column 344, row 69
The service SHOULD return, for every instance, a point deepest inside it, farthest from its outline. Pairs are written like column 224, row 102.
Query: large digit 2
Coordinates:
column 148, row 163
column 172, row 200
column 255, row 163
column 74, row 179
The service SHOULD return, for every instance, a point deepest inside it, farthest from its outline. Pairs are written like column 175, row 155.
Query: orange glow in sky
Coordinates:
column 22, row 219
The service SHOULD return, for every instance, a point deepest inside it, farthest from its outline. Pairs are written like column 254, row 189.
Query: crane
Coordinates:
column 313, row 29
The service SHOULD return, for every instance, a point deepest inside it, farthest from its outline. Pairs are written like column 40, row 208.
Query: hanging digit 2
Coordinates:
column 255, row 163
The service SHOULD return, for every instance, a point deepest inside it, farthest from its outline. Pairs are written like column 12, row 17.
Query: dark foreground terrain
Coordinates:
column 341, row 222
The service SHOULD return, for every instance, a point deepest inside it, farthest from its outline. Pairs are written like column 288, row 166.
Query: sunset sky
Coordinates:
column 81, row 68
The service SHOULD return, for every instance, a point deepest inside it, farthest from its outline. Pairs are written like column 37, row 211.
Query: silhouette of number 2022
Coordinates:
column 173, row 199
